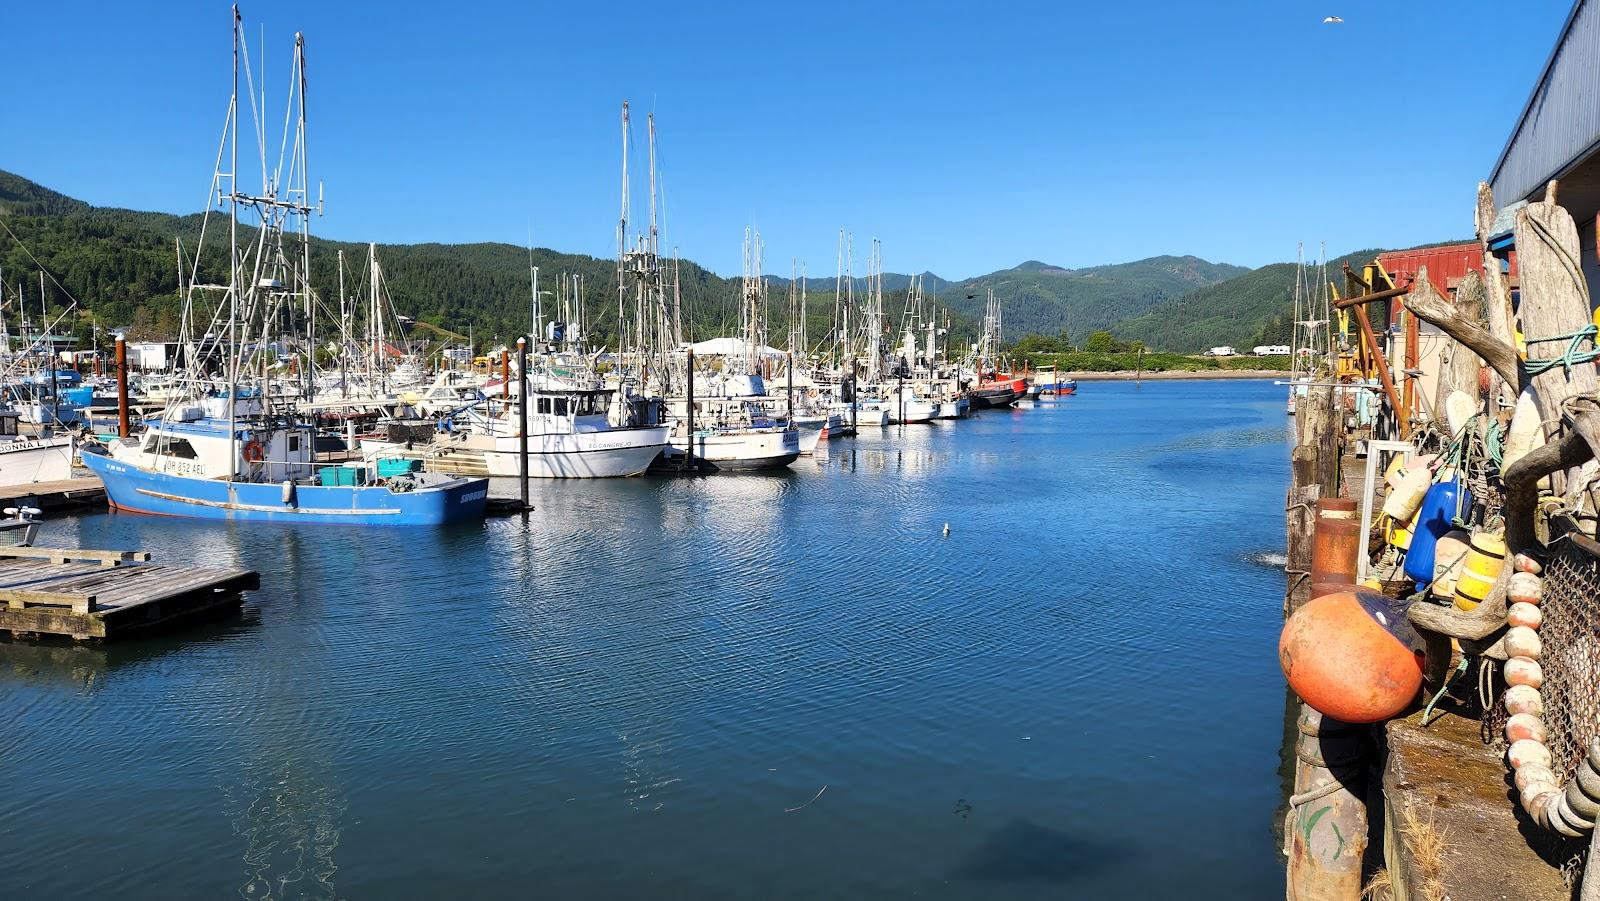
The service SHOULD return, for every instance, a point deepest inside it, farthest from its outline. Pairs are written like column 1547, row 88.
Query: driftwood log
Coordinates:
column 1461, row 370
column 1555, row 302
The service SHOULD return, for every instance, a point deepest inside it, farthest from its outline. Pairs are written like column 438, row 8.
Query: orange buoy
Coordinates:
column 1352, row 656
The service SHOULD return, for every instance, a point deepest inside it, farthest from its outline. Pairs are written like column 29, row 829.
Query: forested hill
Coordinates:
column 1256, row 307
column 121, row 265
column 1044, row 299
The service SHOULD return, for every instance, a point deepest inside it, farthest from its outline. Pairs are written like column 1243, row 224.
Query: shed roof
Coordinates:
column 1560, row 124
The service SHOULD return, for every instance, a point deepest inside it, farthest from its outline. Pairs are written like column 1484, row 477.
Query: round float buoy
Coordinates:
column 1521, row 641
column 1352, row 656
column 1524, row 699
column 1524, row 614
column 1525, row 588
column 1524, row 671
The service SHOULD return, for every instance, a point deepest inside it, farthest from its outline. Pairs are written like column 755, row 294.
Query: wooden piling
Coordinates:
column 522, row 417
column 1326, row 826
column 688, row 445
column 122, row 387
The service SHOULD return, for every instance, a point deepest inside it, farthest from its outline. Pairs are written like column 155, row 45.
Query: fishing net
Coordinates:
column 1571, row 691
column 1571, row 657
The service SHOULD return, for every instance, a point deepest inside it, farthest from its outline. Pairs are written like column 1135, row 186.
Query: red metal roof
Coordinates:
column 1446, row 264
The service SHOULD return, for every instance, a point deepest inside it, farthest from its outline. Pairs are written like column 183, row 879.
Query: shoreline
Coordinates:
column 1178, row 375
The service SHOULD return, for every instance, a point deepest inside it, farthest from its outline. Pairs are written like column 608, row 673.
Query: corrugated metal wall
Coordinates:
column 1562, row 120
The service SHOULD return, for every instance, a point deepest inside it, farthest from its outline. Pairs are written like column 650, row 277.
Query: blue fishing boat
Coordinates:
column 394, row 501
column 191, row 464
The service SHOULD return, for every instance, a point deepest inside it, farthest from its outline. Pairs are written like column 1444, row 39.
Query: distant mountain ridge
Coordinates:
column 120, row 262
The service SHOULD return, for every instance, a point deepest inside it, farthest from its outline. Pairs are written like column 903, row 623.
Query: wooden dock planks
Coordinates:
column 105, row 594
column 67, row 494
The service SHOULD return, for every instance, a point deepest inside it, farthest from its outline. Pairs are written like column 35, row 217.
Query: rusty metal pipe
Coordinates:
column 1386, row 294
column 1335, row 541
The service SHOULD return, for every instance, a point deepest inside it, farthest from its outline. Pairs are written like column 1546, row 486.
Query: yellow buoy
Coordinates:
column 1399, row 534
column 1485, row 558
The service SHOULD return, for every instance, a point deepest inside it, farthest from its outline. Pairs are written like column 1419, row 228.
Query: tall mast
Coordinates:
column 374, row 321
column 622, row 242
column 344, row 333
column 235, row 351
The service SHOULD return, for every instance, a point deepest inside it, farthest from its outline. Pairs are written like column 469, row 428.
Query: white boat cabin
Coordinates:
column 194, row 440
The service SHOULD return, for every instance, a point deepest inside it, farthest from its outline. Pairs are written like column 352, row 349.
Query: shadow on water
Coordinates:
column 1024, row 851
column 87, row 664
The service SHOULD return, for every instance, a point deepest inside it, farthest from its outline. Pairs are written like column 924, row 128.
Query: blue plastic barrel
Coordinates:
column 1434, row 518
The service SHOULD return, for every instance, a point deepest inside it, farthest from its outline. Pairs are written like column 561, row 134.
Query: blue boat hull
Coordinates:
column 140, row 490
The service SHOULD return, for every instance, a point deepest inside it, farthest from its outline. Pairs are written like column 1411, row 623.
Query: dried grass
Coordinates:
column 1427, row 843
column 1379, row 888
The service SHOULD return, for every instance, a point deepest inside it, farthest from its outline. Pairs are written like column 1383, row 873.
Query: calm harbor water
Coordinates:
column 784, row 686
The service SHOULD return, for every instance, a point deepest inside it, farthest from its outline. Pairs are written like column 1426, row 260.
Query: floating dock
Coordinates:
column 89, row 594
column 51, row 497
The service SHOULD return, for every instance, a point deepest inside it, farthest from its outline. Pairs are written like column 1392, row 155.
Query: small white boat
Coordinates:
column 736, row 450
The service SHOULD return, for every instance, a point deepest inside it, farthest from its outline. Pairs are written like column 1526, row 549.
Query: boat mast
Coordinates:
column 622, row 246
column 344, row 334
column 235, row 351
column 374, row 321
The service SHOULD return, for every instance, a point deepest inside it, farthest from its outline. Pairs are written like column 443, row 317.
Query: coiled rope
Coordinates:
column 1571, row 356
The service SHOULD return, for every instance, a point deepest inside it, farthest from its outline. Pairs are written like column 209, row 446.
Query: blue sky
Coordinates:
column 967, row 136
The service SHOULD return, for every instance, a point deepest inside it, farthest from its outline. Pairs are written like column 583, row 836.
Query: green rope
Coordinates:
column 1572, row 355
column 1494, row 444
column 1428, row 710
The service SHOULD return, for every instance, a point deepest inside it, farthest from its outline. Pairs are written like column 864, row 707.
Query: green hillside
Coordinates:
column 1256, row 307
column 121, row 266
column 1043, row 299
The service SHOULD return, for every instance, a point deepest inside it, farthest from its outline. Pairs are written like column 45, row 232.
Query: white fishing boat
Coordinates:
column 25, row 460
column 742, row 448
column 956, row 407
column 570, row 437
column 906, row 406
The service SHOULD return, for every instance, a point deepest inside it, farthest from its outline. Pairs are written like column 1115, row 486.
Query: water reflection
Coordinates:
column 626, row 690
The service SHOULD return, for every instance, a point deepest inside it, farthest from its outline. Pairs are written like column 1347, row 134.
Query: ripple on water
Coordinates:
column 641, row 683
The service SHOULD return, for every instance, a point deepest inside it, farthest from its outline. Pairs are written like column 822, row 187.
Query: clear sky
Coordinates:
column 967, row 136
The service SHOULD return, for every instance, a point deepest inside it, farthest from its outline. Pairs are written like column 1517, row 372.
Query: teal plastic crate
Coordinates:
column 397, row 466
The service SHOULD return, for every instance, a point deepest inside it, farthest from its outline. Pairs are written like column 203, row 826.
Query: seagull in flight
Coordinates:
column 1332, row 20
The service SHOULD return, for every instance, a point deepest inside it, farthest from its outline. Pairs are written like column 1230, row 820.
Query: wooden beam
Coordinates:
column 67, row 555
column 20, row 599
column 1371, row 297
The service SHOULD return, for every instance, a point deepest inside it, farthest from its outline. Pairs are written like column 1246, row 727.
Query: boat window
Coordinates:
column 149, row 442
column 294, row 444
column 544, row 405
column 178, row 447
column 561, row 406
column 8, row 425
